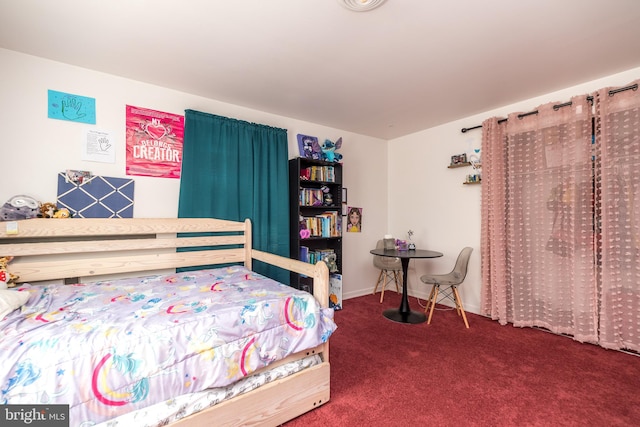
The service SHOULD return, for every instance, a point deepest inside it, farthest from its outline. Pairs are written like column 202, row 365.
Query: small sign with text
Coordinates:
column 34, row 415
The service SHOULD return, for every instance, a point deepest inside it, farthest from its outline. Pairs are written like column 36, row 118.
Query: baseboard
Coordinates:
column 469, row 308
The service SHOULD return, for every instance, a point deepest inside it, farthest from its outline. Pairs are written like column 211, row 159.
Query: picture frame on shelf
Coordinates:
column 459, row 159
column 306, row 145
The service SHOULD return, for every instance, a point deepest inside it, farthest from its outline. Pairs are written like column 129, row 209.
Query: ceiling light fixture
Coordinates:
column 361, row 5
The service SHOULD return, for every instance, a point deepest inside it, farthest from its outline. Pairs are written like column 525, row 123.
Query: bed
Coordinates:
column 132, row 325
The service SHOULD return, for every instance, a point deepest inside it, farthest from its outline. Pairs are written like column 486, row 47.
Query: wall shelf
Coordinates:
column 476, row 167
column 459, row 165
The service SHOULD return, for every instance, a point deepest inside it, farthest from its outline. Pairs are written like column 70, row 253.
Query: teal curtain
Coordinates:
column 232, row 169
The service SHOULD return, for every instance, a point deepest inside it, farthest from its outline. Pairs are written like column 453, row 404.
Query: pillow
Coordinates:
column 10, row 300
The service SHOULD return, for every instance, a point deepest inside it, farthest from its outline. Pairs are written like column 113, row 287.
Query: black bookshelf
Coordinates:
column 315, row 196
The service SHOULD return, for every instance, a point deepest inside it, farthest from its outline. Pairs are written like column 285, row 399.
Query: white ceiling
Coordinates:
column 403, row 67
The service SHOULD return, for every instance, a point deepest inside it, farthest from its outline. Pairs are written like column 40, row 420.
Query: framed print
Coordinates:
column 354, row 219
column 459, row 159
column 306, row 146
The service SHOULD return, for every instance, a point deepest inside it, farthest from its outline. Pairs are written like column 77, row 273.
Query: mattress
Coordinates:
column 175, row 409
column 107, row 348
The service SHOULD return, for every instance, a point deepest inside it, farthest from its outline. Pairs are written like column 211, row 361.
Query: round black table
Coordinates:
column 404, row 313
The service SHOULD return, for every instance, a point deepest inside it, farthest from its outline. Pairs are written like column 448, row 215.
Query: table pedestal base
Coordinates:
column 412, row 317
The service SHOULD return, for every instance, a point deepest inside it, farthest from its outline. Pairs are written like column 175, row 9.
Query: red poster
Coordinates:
column 154, row 143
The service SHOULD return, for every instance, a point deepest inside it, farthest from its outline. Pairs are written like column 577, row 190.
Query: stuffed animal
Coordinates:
column 327, row 197
column 329, row 148
column 7, row 280
column 47, row 210
column 62, row 213
column 330, row 260
column 19, row 207
column 50, row 210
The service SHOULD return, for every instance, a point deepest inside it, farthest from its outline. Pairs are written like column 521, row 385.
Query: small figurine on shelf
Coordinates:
column 475, row 159
column 412, row 246
column 327, row 197
column 331, row 261
column 475, row 178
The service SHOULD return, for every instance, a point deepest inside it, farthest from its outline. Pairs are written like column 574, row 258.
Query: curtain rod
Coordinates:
column 557, row 107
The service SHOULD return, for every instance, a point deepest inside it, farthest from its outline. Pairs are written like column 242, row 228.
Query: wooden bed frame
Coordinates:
column 81, row 250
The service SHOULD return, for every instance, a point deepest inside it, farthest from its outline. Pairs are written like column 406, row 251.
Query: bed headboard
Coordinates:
column 51, row 249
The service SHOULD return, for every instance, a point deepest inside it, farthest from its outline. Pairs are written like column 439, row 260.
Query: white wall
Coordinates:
column 429, row 198
column 34, row 148
column 401, row 184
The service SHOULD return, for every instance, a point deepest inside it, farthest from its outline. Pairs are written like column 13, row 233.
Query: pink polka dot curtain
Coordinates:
column 560, row 242
column 618, row 213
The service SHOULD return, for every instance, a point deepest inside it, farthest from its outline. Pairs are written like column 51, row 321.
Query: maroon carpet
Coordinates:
column 389, row 374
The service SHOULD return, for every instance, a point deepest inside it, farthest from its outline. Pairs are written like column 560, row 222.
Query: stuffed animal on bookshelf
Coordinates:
column 330, row 260
column 7, row 280
column 329, row 148
column 327, row 197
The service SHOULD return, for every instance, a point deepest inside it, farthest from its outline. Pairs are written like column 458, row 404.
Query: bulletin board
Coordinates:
column 96, row 196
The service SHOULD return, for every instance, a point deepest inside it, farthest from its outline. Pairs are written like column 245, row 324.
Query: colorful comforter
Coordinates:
column 110, row 347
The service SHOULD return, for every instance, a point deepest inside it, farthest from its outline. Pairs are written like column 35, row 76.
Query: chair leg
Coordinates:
column 433, row 302
column 397, row 279
column 378, row 282
column 455, row 300
column 384, row 286
column 459, row 305
column 426, row 309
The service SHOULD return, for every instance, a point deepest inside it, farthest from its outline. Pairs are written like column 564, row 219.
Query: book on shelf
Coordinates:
column 304, row 253
column 312, row 256
column 326, row 224
column 311, row 197
column 335, row 291
column 318, row 173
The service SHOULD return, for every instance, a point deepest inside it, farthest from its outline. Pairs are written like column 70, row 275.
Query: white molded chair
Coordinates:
column 388, row 266
column 450, row 283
